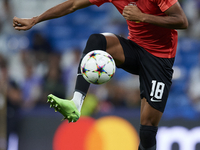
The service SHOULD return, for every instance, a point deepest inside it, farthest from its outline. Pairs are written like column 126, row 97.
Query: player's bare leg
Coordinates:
column 114, row 48
column 149, row 121
column 149, row 115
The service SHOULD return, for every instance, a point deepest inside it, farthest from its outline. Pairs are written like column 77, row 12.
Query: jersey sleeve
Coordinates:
column 99, row 2
column 165, row 4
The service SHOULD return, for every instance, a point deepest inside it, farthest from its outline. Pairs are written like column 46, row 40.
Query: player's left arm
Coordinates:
column 175, row 19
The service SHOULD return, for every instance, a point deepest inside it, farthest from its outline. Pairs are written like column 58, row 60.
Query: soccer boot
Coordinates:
column 66, row 107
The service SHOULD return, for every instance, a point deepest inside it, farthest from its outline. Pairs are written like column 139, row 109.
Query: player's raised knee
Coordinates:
column 95, row 42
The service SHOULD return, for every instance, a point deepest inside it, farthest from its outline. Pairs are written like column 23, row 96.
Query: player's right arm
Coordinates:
column 57, row 11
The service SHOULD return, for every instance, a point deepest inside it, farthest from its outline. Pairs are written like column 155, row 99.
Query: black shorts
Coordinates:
column 155, row 74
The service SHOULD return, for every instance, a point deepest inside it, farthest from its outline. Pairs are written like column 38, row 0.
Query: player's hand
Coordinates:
column 23, row 23
column 132, row 13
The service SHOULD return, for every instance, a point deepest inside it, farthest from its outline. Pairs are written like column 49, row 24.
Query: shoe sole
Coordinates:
column 71, row 117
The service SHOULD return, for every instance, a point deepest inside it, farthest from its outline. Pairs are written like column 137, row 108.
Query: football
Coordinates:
column 98, row 67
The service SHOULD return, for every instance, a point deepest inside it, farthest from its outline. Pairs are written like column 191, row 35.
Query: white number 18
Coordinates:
column 157, row 89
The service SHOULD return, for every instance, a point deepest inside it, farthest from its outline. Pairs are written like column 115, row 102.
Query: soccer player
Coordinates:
column 148, row 52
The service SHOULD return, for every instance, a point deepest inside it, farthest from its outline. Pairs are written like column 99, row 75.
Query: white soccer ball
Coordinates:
column 98, row 67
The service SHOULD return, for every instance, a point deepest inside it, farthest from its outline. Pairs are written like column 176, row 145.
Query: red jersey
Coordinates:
column 159, row 41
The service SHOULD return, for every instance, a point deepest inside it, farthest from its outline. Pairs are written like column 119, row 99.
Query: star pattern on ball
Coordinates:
column 111, row 59
column 84, row 70
column 92, row 55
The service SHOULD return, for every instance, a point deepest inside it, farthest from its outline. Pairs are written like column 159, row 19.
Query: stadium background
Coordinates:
column 44, row 60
